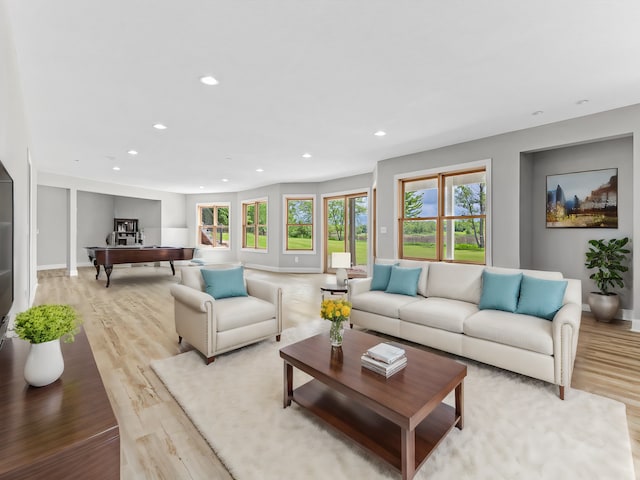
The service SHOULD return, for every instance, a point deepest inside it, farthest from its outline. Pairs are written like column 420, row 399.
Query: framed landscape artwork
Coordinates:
column 583, row 199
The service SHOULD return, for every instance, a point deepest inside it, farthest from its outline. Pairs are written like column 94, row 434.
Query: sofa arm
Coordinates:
column 359, row 285
column 566, row 326
column 191, row 297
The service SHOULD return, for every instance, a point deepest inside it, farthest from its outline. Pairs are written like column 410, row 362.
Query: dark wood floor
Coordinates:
column 131, row 323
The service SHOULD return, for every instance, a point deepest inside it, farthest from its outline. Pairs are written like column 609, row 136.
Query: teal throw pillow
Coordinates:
column 541, row 298
column 224, row 283
column 381, row 275
column 500, row 291
column 404, row 280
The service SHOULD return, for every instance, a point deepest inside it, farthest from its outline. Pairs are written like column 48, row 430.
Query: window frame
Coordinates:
column 199, row 226
column 286, row 224
column 442, row 218
column 256, row 204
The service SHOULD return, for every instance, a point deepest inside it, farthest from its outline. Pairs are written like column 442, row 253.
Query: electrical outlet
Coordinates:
column 295, row 259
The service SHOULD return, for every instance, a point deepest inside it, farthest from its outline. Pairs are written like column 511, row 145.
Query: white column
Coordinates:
column 72, row 238
column 635, row 240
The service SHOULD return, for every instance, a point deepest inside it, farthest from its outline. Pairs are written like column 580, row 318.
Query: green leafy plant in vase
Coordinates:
column 43, row 326
column 607, row 257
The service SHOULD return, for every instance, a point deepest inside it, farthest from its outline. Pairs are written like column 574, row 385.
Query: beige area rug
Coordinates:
column 515, row 427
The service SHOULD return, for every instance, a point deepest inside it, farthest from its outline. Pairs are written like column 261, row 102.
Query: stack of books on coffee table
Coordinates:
column 385, row 359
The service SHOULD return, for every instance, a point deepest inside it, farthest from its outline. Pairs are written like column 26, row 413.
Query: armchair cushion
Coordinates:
column 224, row 283
column 241, row 311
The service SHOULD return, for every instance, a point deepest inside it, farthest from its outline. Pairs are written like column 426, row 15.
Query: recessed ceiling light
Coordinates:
column 209, row 80
column 380, row 133
column 537, row 112
column 201, row 187
column 159, row 126
column 583, row 101
column 225, row 179
column 116, row 168
column 306, row 155
column 132, row 152
column 259, row 169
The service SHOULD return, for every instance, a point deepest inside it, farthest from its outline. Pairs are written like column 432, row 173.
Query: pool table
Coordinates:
column 110, row 256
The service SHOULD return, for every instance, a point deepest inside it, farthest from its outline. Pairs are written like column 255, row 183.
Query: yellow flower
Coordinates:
column 335, row 309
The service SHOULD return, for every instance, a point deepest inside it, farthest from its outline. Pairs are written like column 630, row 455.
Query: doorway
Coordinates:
column 346, row 224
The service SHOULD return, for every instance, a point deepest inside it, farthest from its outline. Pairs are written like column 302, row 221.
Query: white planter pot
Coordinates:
column 44, row 363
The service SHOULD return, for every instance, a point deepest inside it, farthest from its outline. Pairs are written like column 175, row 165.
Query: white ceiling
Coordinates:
column 296, row 76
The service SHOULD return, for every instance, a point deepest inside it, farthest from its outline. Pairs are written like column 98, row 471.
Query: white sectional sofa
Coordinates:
column 450, row 312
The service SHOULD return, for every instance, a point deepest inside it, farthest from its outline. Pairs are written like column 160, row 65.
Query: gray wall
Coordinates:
column 564, row 248
column 53, row 226
column 146, row 211
column 96, row 212
column 508, row 234
column 526, row 205
column 274, row 258
column 95, row 222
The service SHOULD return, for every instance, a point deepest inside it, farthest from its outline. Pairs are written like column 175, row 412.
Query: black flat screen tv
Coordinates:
column 6, row 248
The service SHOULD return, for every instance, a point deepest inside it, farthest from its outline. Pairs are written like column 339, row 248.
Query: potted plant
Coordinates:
column 607, row 257
column 43, row 326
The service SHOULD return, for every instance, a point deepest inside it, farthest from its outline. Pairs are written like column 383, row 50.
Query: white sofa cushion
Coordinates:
column 455, row 281
column 237, row 312
column 442, row 313
column 516, row 330
column 387, row 304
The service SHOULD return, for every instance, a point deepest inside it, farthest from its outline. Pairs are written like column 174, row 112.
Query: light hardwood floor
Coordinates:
column 130, row 324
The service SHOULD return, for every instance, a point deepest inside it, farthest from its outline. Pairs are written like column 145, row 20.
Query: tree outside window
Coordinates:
column 299, row 224
column 213, row 225
column 254, row 225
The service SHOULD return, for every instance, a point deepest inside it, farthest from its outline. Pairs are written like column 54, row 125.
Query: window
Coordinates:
column 254, row 224
column 213, row 225
column 444, row 217
column 299, row 224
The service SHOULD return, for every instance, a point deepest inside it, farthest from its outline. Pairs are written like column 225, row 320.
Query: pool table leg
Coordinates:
column 108, row 269
column 95, row 264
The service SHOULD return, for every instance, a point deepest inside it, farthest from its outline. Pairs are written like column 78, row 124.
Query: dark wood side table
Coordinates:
column 333, row 289
column 66, row 430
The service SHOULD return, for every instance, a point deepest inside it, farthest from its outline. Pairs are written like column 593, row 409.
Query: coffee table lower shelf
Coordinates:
column 369, row 429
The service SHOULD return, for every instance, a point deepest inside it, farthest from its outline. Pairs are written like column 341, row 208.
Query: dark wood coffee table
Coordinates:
column 404, row 418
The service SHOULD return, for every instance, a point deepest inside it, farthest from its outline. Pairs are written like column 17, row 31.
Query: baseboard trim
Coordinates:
column 269, row 268
column 623, row 314
column 56, row 266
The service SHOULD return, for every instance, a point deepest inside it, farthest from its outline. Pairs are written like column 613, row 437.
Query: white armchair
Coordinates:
column 217, row 326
